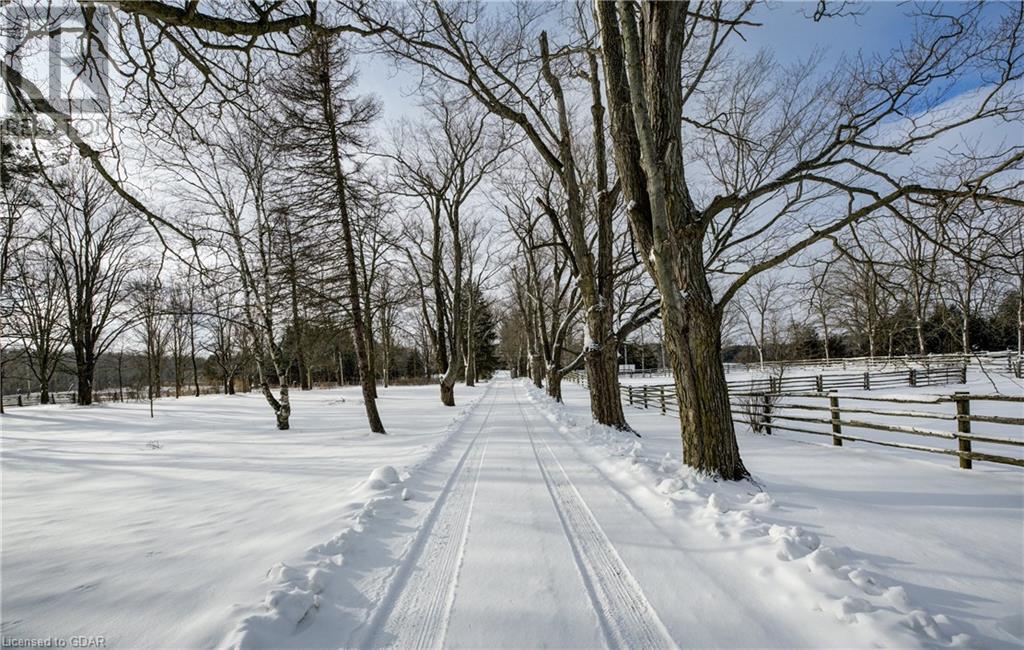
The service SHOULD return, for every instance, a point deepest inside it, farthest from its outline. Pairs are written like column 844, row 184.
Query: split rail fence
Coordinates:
column 126, row 395
column 1008, row 361
column 813, row 405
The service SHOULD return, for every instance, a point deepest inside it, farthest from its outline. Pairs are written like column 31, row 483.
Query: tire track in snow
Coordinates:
column 417, row 607
column 626, row 616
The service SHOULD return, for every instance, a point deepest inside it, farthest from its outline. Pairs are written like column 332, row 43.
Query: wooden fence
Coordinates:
column 134, row 395
column 126, row 395
column 642, row 394
column 867, row 380
column 811, row 405
column 823, row 415
column 1007, row 361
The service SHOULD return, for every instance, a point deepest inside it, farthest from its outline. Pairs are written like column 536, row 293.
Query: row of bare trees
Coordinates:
column 282, row 235
column 644, row 136
column 949, row 282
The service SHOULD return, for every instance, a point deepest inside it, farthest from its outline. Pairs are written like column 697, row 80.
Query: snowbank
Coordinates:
column 785, row 561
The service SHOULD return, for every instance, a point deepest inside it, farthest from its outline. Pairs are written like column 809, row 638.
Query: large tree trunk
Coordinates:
column 282, row 408
column 646, row 119
column 44, row 392
column 359, row 334
column 448, row 392
column 693, row 338
column 86, row 368
column 371, row 358
column 603, row 383
column 536, row 369
column 554, row 383
column 192, row 345
column 593, row 277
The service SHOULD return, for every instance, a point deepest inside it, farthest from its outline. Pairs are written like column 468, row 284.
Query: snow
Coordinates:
column 943, row 546
column 510, row 522
column 105, row 534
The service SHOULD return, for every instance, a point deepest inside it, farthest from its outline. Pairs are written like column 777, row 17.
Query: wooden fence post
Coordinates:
column 661, row 390
column 819, row 384
column 963, row 374
column 629, row 392
column 767, row 414
column 645, row 395
column 912, row 378
column 963, row 425
column 837, row 428
column 867, row 381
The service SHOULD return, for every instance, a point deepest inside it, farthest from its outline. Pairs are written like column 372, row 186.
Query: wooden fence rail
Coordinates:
column 827, row 417
column 126, row 395
column 811, row 405
column 930, row 376
column 1008, row 361
column 135, row 395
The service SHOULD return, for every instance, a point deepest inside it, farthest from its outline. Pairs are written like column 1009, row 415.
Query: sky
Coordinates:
column 787, row 32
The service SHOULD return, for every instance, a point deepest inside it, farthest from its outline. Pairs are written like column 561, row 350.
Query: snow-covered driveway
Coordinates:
column 514, row 555
column 519, row 534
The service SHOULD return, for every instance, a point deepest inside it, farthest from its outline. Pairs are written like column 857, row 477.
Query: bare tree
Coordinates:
column 823, row 302
column 504, row 64
column 92, row 239
column 761, row 306
column 821, row 143
column 917, row 265
column 549, row 291
column 971, row 234
column 39, row 316
column 441, row 166
column 155, row 329
column 1011, row 261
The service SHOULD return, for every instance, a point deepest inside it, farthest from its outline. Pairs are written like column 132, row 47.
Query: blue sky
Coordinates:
column 787, row 32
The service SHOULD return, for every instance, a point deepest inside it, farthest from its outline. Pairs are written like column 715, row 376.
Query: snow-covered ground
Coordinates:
column 953, row 539
column 148, row 532
column 513, row 523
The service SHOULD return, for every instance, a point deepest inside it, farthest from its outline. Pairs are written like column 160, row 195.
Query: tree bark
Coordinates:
column 85, row 370
column 554, row 383
column 646, row 116
column 448, row 393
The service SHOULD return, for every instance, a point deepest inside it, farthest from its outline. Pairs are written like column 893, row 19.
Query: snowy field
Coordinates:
column 507, row 522
column 148, row 532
